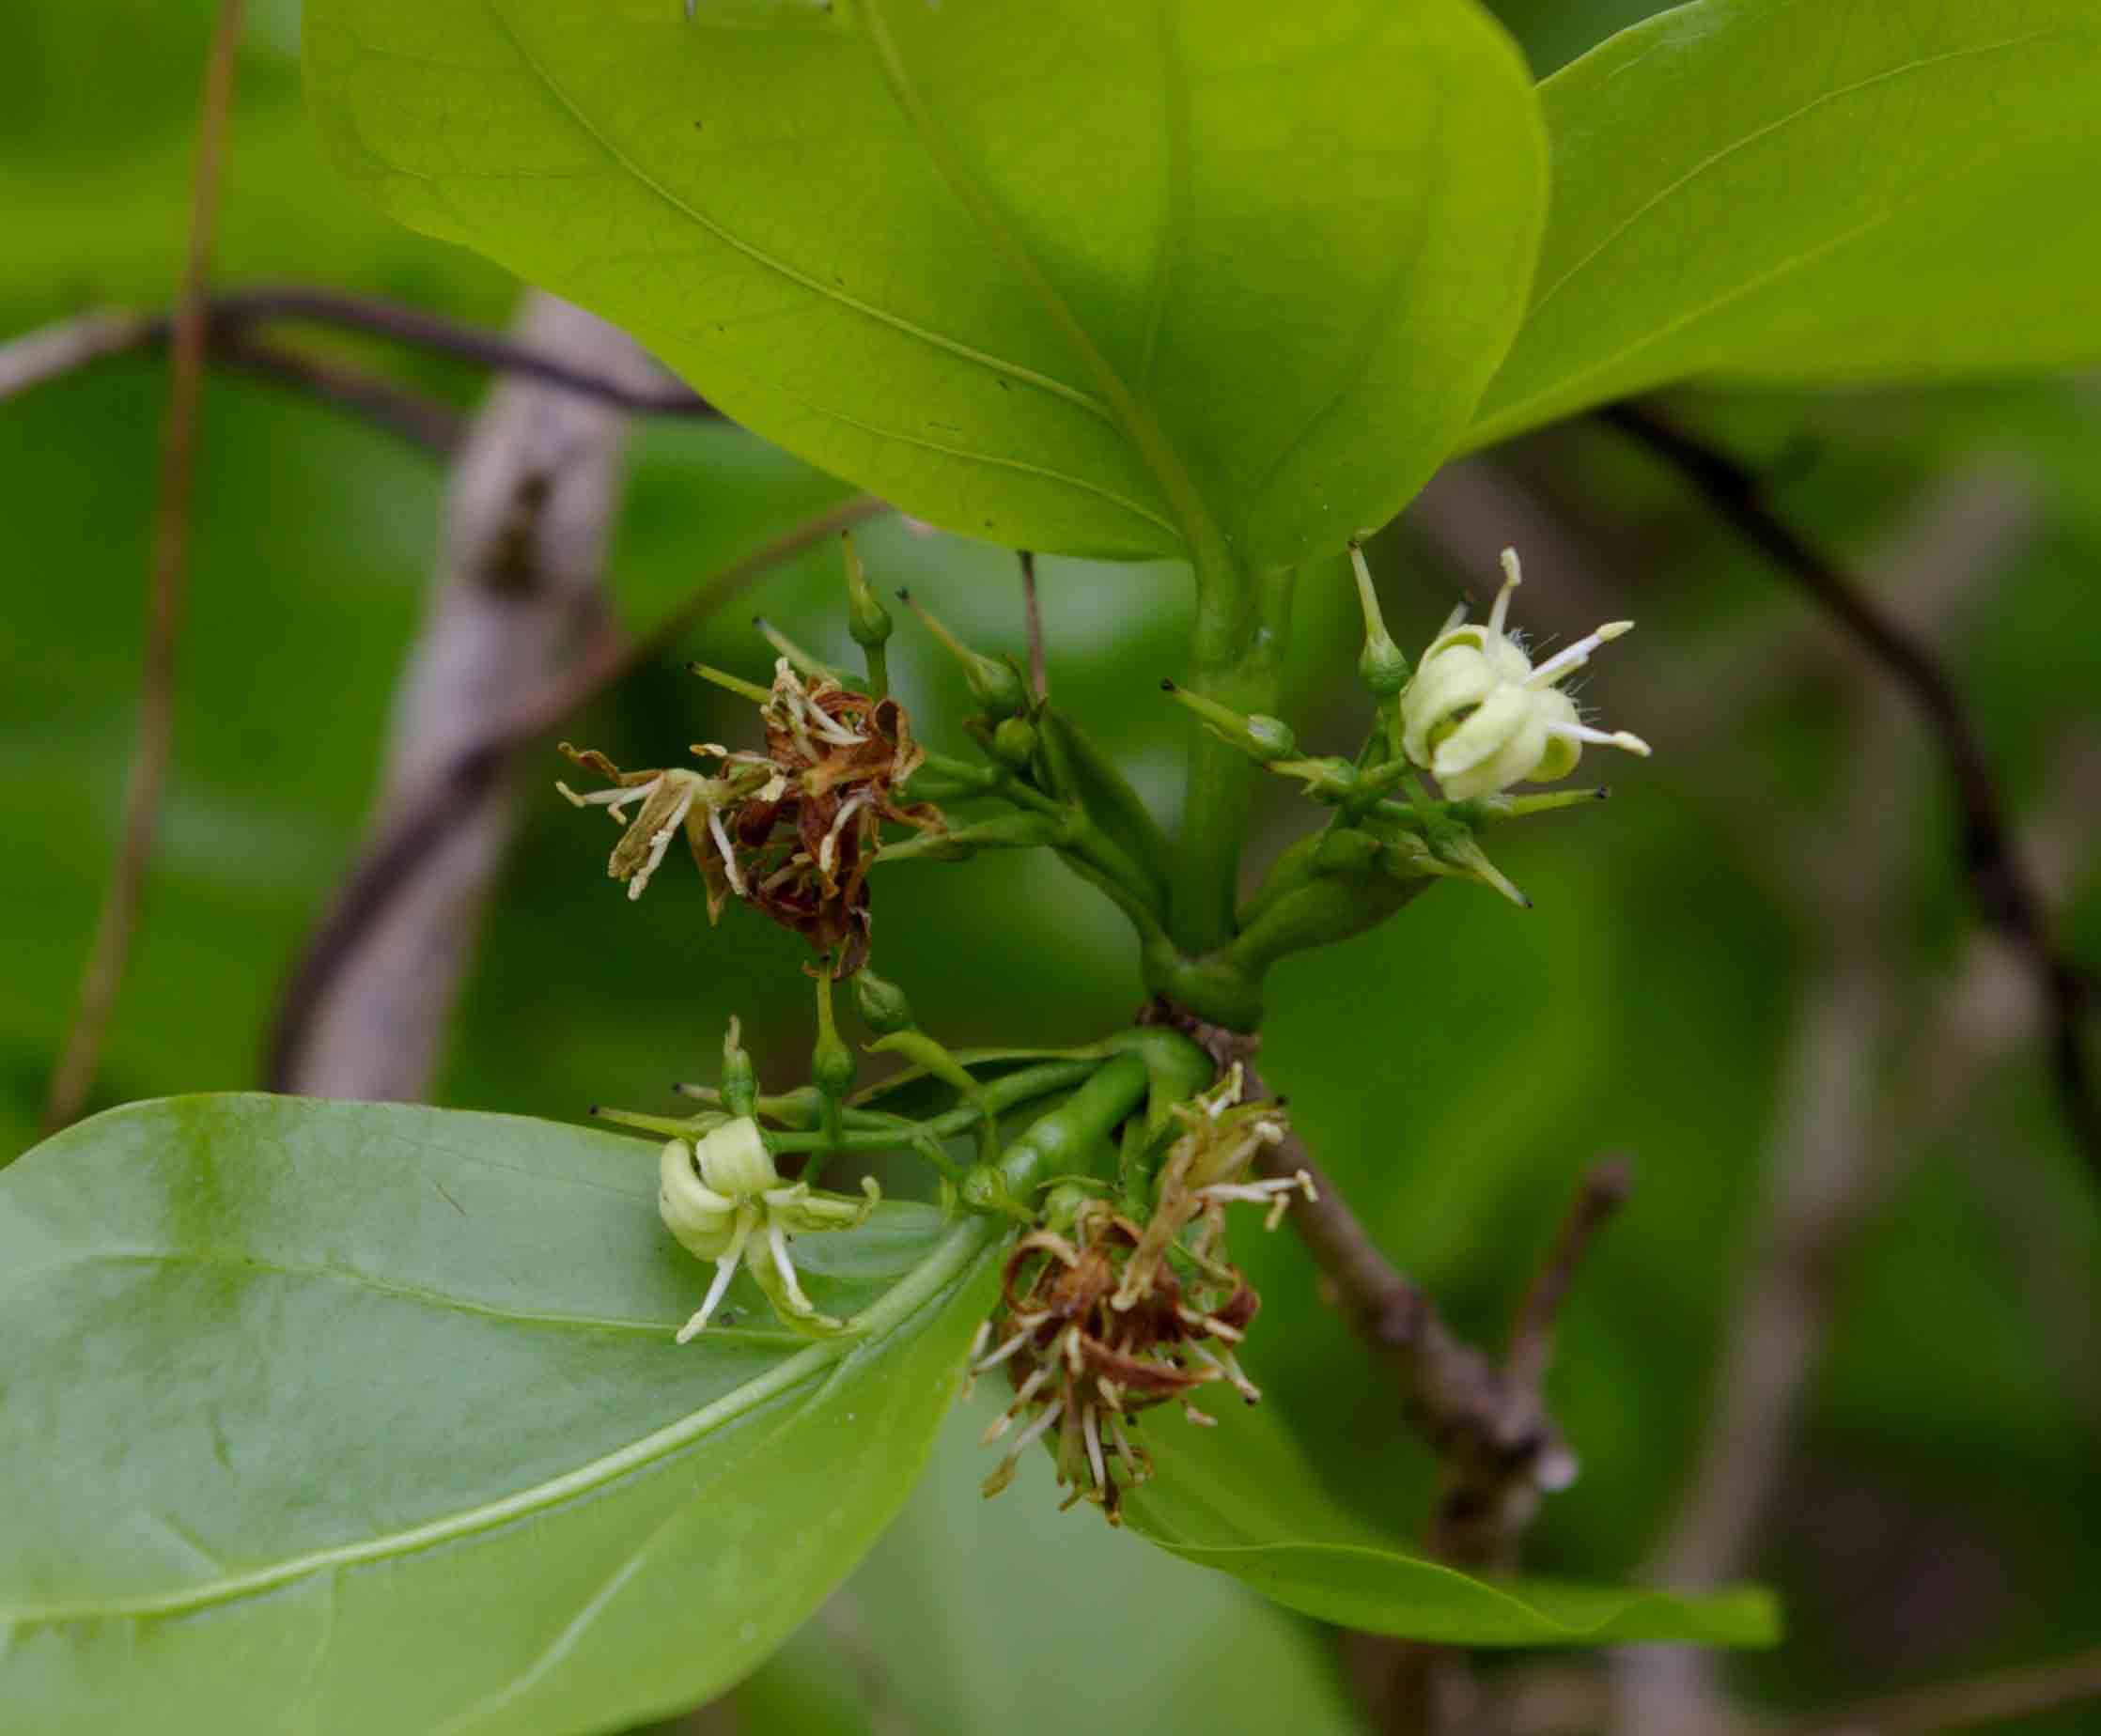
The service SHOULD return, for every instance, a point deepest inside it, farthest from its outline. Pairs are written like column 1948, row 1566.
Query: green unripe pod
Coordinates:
column 1383, row 668
column 1013, row 743
column 985, row 1189
column 867, row 620
column 994, row 682
column 881, row 1003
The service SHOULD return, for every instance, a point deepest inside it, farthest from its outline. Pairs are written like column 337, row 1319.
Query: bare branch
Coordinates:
column 1980, row 1699
column 233, row 316
column 519, row 586
column 2005, row 894
column 103, row 972
column 429, row 424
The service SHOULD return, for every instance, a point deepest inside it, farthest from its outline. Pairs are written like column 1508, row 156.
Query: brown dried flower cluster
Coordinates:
column 792, row 830
column 1120, row 1316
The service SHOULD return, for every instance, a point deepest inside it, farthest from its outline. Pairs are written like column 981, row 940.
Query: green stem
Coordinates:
column 1234, row 652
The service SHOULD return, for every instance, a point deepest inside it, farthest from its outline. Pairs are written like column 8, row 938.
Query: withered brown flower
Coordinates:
column 1122, row 1316
column 791, row 831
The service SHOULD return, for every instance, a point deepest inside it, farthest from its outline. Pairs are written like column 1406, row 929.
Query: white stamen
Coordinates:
column 828, row 852
column 724, row 1269
column 1210, row 1322
column 785, row 1267
column 1133, row 1465
column 617, row 798
column 1513, row 576
column 1456, row 618
column 1604, row 738
column 1093, row 1446
column 986, row 1365
column 1572, row 658
column 1004, row 1420
column 660, row 843
column 729, row 856
column 1035, row 1430
column 1072, row 1349
column 1203, row 1419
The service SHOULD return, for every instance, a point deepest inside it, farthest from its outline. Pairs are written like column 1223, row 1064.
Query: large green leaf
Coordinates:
column 340, row 1417
column 1809, row 190
column 1238, row 1498
column 1209, row 277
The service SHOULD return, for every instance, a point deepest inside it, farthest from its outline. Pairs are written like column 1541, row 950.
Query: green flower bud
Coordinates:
column 881, row 1003
column 1382, row 667
column 867, row 620
column 995, row 683
column 1013, row 743
column 1264, row 738
column 740, row 1077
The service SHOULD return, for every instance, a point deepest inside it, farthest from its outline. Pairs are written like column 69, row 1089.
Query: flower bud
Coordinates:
column 1013, row 743
column 1262, row 739
column 994, row 682
column 867, row 620
column 880, row 1002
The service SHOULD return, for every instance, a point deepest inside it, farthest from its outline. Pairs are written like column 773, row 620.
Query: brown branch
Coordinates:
column 103, row 972
column 450, row 794
column 1039, row 682
column 423, row 421
column 2005, row 892
column 233, row 316
column 1982, row 1699
column 1489, row 1421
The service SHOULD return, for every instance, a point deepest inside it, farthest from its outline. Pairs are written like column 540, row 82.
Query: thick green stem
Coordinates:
column 1235, row 652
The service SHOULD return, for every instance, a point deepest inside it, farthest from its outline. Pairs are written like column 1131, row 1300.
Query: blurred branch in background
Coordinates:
column 103, row 974
column 2006, row 893
column 519, row 586
column 234, row 318
column 419, row 819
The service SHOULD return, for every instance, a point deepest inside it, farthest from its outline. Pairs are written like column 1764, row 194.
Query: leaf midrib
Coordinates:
column 358, row 1278
column 1201, row 533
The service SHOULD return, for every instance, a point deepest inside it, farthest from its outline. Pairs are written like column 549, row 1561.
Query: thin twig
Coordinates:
column 104, row 970
column 1489, row 1422
column 423, row 816
column 1039, row 682
column 2005, row 892
column 1980, row 1699
column 234, row 316
column 1601, row 1193
column 425, row 423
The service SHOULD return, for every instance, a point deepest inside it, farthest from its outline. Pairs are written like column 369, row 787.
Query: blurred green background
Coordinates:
column 1938, row 1507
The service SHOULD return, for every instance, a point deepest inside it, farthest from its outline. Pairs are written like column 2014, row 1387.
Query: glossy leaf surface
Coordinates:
column 355, row 1417
column 1238, row 1498
column 1807, row 190
column 1205, row 277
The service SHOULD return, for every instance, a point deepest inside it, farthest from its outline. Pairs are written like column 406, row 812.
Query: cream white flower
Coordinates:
column 725, row 1201
column 1481, row 717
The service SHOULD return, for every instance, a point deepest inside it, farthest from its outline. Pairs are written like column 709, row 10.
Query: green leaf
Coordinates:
column 1240, row 1498
column 1206, row 277
column 342, row 1417
column 1800, row 191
